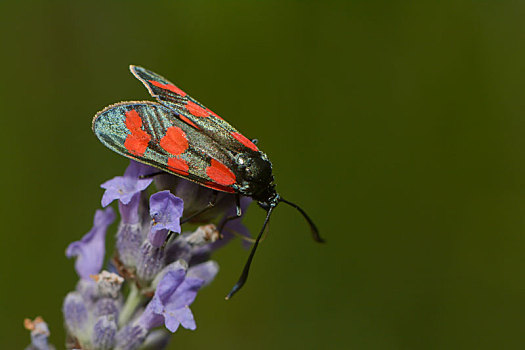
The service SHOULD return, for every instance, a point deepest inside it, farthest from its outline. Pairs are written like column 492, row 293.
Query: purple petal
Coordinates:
column 175, row 292
column 166, row 211
column 154, row 314
column 186, row 318
column 178, row 316
column 90, row 249
column 125, row 187
column 185, row 294
column 149, row 318
column 169, row 284
column 129, row 213
column 205, row 271
column 172, row 323
column 157, row 237
column 174, row 266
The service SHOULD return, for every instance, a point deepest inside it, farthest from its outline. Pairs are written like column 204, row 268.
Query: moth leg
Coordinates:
column 237, row 215
column 210, row 205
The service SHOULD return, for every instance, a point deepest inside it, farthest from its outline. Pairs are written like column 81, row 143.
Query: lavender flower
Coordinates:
column 175, row 292
column 163, row 267
column 90, row 249
column 166, row 211
column 124, row 187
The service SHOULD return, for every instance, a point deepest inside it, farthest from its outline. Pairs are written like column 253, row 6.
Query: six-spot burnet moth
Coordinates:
column 180, row 136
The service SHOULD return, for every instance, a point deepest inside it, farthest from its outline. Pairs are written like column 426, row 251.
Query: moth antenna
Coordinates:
column 313, row 228
column 246, row 269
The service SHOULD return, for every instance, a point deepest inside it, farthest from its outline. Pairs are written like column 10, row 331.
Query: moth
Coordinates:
column 180, row 136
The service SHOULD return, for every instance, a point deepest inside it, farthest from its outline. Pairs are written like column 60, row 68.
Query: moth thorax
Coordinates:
column 255, row 173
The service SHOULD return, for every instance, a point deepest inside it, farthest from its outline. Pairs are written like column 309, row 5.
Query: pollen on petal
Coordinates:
column 196, row 110
column 220, row 173
column 169, row 87
column 137, row 140
column 175, row 141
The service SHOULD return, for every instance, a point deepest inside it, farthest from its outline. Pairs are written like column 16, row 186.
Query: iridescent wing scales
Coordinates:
column 192, row 112
column 150, row 133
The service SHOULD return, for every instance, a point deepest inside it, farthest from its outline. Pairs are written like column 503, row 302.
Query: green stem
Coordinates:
column 135, row 298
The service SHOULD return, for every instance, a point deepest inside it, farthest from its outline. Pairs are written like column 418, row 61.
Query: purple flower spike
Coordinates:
column 124, row 187
column 171, row 302
column 90, row 249
column 166, row 211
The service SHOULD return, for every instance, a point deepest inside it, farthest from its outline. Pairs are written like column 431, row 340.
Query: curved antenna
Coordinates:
column 313, row 228
column 246, row 270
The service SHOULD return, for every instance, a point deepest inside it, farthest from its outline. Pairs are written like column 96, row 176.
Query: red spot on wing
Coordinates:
column 187, row 121
column 242, row 139
column 169, row 87
column 196, row 110
column 217, row 187
column 213, row 113
column 178, row 165
column 137, row 141
column 220, row 173
column 175, row 141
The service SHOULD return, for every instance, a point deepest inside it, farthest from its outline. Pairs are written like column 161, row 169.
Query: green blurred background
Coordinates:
column 397, row 125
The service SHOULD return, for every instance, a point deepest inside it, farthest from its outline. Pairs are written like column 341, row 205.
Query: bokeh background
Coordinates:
column 397, row 125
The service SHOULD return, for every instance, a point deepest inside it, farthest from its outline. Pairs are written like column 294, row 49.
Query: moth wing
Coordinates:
column 193, row 112
column 152, row 134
